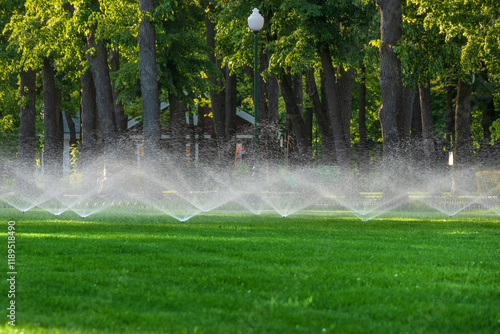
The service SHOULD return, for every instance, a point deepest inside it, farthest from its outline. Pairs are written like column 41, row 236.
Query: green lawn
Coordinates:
column 120, row 273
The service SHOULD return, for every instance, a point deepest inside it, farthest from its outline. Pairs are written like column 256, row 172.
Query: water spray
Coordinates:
column 283, row 191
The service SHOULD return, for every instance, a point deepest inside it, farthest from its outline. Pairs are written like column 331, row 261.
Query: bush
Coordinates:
column 488, row 183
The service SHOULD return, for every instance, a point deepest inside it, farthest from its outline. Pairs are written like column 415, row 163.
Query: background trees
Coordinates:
column 321, row 80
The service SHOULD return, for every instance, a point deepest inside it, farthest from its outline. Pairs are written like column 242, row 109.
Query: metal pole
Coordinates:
column 256, row 100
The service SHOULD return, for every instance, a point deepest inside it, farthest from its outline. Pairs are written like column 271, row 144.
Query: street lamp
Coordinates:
column 255, row 23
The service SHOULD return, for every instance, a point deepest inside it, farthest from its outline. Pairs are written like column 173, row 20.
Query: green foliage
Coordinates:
column 8, row 136
column 119, row 22
column 469, row 23
column 373, row 101
column 442, row 40
column 182, row 60
column 424, row 52
column 495, row 130
column 7, row 124
column 9, row 92
column 438, row 107
column 74, row 153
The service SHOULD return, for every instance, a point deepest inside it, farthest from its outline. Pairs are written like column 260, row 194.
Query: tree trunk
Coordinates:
column 297, row 86
column 297, row 89
column 273, row 100
column 345, row 86
column 329, row 151
column 27, row 133
column 416, row 119
column 149, row 82
column 328, row 147
column 91, row 144
column 52, row 143
column 88, row 117
column 405, row 117
column 308, row 118
column 217, row 95
column 60, row 121
column 97, row 57
column 363, row 153
column 404, row 129
column 427, row 123
column 293, row 111
column 272, row 126
column 463, row 142
column 121, row 118
column 416, row 153
column 335, row 112
column 177, row 129
column 488, row 101
column 71, row 128
column 60, row 128
column 391, row 86
column 192, row 141
column 203, row 146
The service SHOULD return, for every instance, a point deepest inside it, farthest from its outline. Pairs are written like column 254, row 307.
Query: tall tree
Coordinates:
column 427, row 123
column 27, row 137
column 462, row 152
column 468, row 28
column 182, row 61
column 217, row 95
column 149, row 79
column 177, row 128
column 391, row 86
column 121, row 118
column 450, row 120
column 97, row 56
column 363, row 153
column 88, row 108
column 296, row 117
column 333, row 101
column 52, row 121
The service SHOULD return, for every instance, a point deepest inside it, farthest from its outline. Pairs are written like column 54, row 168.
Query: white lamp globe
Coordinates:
column 255, row 21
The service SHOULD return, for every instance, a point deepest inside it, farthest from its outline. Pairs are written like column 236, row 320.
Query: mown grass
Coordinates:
column 244, row 274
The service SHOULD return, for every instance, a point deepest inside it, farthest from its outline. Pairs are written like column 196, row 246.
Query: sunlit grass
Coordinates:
column 116, row 272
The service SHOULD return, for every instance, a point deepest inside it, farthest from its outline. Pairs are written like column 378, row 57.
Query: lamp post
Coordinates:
column 255, row 23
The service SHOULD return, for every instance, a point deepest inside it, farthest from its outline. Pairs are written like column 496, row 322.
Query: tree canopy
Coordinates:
column 332, row 44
